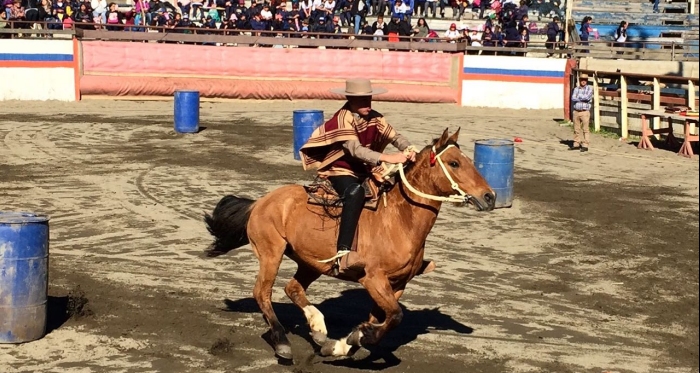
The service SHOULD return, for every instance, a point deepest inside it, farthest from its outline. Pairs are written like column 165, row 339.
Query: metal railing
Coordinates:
column 664, row 51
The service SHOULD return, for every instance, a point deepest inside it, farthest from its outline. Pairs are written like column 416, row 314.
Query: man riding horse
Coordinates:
column 345, row 149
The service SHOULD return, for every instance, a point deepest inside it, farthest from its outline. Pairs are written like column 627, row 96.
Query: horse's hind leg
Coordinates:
column 296, row 291
column 270, row 261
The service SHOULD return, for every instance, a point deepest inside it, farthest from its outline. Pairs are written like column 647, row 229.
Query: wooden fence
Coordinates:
column 660, row 51
column 652, row 90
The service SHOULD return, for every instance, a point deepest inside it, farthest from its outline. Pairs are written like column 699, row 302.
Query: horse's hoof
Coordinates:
column 327, row 347
column 361, row 353
column 284, row 351
column 318, row 337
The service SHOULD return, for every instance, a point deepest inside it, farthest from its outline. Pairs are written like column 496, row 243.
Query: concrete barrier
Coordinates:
column 514, row 82
column 148, row 69
column 39, row 70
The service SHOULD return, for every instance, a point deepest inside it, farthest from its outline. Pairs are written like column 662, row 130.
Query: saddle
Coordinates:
column 321, row 193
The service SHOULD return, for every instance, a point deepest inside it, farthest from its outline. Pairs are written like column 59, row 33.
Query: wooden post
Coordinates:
column 656, row 105
column 596, row 103
column 623, row 106
column 568, row 4
column 691, row 3
column 691, row 102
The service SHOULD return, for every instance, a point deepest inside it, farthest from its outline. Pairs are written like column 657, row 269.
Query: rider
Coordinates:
column 346, row 148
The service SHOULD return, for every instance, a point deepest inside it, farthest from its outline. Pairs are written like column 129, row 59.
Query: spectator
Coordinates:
column 397, row 28
column 419, row 8
column 421, row 30
column 378, row 28
column 523, row 21
column 656, row 6
column 487, row 41
column 142, row 8
column 243, row 22
column 130, row 21
column 266, row 14
column 257, row 24
column 586, row 29
column 328, row 9
column 114, row 18
column 83, row 18
column 357, row 12
column 524, row 40
column 399, row 10
column 432, row 5
column 452, row 35
column 523, row 10
column 321, row 27
column 483, row 5
column 279, row 24
column 4, row 24
column 553, row 31
column 16, row 14
column 294, row 18
column 498, row 36
column 379, row 7
column 306, row 9
column 185, row 6
column 620, row 35
column 196, row 6
column 31, row 11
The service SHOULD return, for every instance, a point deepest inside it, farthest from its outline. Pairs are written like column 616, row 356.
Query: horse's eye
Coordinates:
column 453, row 164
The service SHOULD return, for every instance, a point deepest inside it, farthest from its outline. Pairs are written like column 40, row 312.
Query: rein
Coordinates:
column 459, row 198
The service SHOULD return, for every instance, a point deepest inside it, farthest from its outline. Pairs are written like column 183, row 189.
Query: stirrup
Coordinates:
column 340, row 254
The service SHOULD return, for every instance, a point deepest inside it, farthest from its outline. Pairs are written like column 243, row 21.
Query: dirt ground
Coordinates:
column 593, row 269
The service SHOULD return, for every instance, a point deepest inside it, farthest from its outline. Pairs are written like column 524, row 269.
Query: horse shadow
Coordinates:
column 347, row 311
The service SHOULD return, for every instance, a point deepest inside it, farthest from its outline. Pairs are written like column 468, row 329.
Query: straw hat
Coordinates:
column 583, row 76
column 358, row 87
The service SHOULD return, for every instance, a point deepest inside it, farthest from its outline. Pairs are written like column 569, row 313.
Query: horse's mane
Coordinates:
column 427, row 148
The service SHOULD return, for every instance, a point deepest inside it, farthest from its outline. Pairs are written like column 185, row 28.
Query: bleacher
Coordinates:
column 636, row 12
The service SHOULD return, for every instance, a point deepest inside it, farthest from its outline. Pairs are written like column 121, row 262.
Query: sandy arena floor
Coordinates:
column 594, row 268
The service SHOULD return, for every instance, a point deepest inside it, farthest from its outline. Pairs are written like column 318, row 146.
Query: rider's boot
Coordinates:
column 353, row 203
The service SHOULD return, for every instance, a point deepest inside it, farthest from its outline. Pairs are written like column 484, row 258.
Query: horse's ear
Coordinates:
column 443, row 139
column 455, row 135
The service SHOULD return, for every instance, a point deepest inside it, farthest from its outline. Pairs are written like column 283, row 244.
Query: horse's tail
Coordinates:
column 227, row 224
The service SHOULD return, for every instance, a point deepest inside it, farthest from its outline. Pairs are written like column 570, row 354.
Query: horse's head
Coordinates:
column 453, row 175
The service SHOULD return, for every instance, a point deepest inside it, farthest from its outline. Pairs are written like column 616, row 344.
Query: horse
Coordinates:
column 390, row 241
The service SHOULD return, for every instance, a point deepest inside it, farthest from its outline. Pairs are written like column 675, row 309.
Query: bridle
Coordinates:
column 462, row 197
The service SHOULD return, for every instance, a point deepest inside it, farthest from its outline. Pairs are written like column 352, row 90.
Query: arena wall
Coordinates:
column 39, row 70
column 515, row 83
column 137, row 69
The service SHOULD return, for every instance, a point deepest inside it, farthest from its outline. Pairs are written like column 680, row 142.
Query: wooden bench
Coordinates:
column 686, row 148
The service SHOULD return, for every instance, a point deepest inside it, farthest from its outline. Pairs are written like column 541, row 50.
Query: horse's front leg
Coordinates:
column 369, row 333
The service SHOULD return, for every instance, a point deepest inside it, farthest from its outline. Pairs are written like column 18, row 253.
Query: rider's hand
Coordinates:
column 412, row 156
column 393, row 158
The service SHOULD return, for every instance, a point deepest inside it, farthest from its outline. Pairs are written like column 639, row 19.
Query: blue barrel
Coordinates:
column 304, row 123
column 187, row 111
column 24, row 267
column 494, row 159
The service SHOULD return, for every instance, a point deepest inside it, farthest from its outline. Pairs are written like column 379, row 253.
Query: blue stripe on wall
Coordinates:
column 532, row 73
column 36, row 57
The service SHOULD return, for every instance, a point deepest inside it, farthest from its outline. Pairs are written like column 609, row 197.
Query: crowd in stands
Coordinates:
column 505, row 23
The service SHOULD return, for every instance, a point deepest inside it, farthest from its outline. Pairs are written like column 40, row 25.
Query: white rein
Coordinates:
column 461, row 197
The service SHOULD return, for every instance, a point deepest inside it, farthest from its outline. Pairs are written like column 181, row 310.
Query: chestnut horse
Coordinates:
column 391, row 240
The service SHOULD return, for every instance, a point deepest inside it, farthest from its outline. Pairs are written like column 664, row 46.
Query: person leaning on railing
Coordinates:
column 16, row 13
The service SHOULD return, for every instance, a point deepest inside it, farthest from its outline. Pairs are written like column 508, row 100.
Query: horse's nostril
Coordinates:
column 489, row 198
